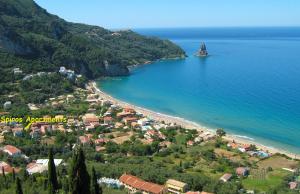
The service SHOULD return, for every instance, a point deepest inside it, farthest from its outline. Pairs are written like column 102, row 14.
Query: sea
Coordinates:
column 249, row 84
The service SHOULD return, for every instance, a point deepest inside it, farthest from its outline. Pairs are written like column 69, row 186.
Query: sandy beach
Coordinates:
column 186, row 123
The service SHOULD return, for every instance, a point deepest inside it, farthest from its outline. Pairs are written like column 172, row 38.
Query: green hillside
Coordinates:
column 34, row 40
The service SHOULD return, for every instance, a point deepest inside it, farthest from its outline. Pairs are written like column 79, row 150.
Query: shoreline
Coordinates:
column 188, row 124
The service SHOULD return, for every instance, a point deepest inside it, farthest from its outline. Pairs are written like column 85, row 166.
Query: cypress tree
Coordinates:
column 79, row 177
column 25, row 175
column 3, row 173
column 95, row 189
column 4, row 177
column 52, row 178
column 18, row 186
column 14, row 175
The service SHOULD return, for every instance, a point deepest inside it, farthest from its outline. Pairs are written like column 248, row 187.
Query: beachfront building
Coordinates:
column 176, row 187
column 135, row 184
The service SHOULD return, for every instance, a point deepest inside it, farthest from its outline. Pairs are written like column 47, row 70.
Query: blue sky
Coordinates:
column 176, row 13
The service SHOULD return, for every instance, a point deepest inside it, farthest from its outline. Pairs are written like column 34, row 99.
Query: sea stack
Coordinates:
column 202, row 52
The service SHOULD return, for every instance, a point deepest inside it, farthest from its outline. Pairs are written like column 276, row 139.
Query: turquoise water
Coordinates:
column 249, row 84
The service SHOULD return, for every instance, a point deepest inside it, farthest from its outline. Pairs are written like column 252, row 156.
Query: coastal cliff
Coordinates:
column 34, row 40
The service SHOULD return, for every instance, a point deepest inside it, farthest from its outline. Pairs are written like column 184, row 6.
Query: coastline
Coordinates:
column 188, row 124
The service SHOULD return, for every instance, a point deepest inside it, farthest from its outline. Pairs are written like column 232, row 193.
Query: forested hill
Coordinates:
column 35, row 40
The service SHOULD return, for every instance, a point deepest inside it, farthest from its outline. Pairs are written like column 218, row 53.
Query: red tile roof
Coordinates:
column 11, row 149
column 140, row 184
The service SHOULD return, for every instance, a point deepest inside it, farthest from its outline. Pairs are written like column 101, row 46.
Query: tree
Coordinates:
column 79, row 177
column 18, row 186
column 95, row 189
column 25, row 175
column 14, row 174
column 221, row 132
column 52, row 177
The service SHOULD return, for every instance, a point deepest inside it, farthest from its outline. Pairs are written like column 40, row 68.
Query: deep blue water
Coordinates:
column 249, row 84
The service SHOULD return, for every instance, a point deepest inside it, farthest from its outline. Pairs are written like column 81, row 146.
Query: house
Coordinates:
column 124, row 114
column 135, row 184
column 129, row 120
column 206, row 136
column 17, row 131
column 108, row 120
column 242, row 171
column 190, row 143
column 84, row 139
column 129, row 110
column 143, row 121
column 150, row 134
column 165, row 144
column 17, row 71
column 45, row 129
column 6, row 167
column 41, row 165
column 7, row 105
column 244, row 148
column 12, row 150
column 226, row 177
column 119, row 125
column 293, row 185
column 90, row 118
column 100, row 148
column 176, row 187
column 100, row 141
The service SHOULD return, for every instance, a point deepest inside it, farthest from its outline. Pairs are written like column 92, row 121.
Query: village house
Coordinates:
column 7, row 105
column 119, row 125
column 90, row 118
column 226, row 177
column 121, row 115
column 165, row 144
column 45, row 129
column 12, row 150
column 41, row 165
column 190, row 143
column 6, row 167
column 84, row 139
column 293, row 185
column 17, row 131
column 176, row 187
column 17, row 71
column 100, row 141
column 129, row 120
column 205, row 136
column 143, row 121
column 244, row 148
column 108, row 120
column 242, row 171
column 150, row 134
column 100, row 148
column 129, row 110
column 135, row 184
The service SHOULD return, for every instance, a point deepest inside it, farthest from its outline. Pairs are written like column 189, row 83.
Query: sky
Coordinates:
column 176, row 13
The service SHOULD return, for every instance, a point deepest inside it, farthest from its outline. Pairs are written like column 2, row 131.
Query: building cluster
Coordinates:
column 134, row 184
column 35, row 166
column 249, row 149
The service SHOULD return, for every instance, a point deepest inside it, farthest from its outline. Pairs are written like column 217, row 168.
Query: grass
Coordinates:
column 277, row 162
column 107, row 190
column 272, row 180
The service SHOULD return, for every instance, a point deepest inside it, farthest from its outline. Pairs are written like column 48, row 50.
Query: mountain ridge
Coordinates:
column 33, row 37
